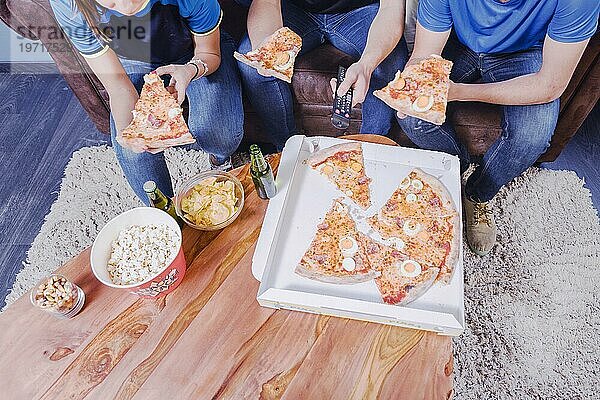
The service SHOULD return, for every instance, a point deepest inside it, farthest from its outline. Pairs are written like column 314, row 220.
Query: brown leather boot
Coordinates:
column 481, row 227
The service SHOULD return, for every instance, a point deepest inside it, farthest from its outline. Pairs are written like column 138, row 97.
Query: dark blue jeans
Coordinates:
column 526, row 130
column 272, row 98
column 216, row 120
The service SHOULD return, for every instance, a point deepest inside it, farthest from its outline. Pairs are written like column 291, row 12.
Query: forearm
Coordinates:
column 559, row 62
column 384, row 34
column 122, row 94
column 209, row 51
column 427, row 43
column 522, row 90
column 264, row 18
column 122, row 102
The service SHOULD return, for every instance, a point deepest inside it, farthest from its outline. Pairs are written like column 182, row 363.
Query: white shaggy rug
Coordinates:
column 533, row 308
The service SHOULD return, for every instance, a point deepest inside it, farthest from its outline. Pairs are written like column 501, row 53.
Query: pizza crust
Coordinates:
column 447, row 271
column 433, row 116
column 419, row 290
column 322, row 155
column 438, row 188
column 258, row 66
column 340, row 280
column 139, row 145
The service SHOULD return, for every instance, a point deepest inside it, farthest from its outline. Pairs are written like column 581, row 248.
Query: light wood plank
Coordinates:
column 362, row 360
column 33, row 338
column 266, row 364
column 200, row 360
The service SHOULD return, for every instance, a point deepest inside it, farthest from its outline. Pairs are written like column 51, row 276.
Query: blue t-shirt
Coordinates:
column 161, row 32
column 490, row 26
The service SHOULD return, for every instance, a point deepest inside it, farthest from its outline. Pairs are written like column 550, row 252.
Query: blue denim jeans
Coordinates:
column 526, row 130
column 272, row 98
column 215, row 120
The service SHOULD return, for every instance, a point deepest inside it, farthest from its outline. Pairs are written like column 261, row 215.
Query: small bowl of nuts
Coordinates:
column 58, row 296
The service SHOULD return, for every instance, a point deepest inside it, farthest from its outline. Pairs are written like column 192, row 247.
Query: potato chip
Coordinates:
column 210, row 202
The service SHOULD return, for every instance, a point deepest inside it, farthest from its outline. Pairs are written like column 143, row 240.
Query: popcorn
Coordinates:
column 141, row 252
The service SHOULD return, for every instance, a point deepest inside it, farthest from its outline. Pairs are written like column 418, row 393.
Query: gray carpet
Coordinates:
column 533, row 309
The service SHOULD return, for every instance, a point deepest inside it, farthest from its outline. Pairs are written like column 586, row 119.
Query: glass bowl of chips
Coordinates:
column 210, row 200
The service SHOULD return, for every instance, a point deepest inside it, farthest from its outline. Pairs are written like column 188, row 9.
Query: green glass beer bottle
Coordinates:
column 262, row 174
column 159, row 200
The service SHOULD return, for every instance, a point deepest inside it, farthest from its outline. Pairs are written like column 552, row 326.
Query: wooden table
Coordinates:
column 210, row 339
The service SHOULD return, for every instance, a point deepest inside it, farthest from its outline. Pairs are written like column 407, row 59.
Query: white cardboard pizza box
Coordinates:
column 303, row 198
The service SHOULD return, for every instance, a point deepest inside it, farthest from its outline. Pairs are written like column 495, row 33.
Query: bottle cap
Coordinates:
column 254, row 148
column 149, row 186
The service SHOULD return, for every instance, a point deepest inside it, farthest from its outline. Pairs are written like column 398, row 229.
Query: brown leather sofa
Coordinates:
column 477, row 124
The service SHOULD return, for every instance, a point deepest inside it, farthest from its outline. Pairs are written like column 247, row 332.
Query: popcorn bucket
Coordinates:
column 162, row 283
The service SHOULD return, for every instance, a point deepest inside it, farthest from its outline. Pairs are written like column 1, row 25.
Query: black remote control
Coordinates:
column 342, row 105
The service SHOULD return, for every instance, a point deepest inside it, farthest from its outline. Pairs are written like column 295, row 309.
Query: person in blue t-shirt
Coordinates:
column 520, row 54
column 121, row 40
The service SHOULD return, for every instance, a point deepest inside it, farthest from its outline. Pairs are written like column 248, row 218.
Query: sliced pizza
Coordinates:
column 157, row 120
column 276, row 55
column 421, row 90
column 343, row 165
column 336, row 254
column 420, row 219
column 419, row 195
column 402, row 279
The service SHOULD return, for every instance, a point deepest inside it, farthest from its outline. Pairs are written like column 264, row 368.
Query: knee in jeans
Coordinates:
column 412, row 125
column 225, row 134
column 532, row 139
column 245, row 45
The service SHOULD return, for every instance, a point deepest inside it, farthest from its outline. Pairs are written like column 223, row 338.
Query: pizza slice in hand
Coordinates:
column 337, row 254
column 275, row 56
column 157, row 120
column 402, row 279
column 343, row 165
column 421, row 90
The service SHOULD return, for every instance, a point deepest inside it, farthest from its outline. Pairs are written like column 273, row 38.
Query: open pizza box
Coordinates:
column 303, row 199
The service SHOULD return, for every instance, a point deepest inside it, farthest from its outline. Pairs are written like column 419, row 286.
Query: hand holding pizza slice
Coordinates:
column 275, row 56
column 421, row 90
column 157, row 120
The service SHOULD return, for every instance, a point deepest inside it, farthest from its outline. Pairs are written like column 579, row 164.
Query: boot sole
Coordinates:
column 478, row 252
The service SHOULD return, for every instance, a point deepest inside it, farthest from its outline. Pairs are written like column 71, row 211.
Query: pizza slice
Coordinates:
column 402, row 279
column 276, row 55
column 157, row 120
column 420, row 219
column 421, row 90
column 343, row 165
column 420, row 195
column 336, row 254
